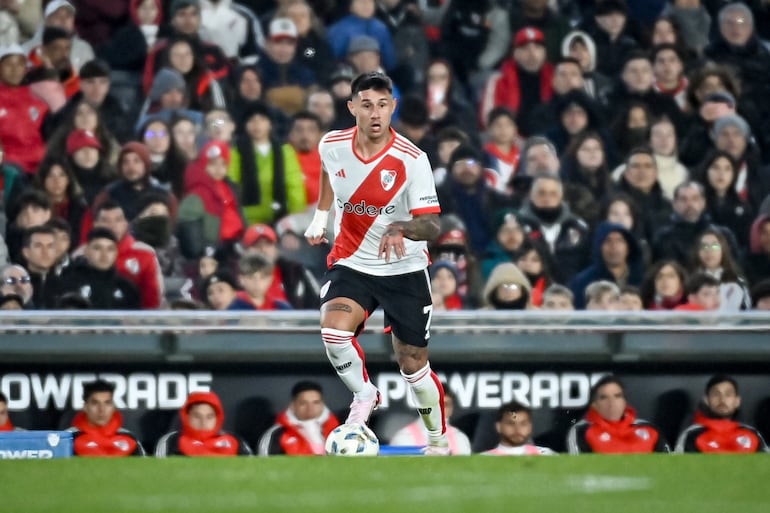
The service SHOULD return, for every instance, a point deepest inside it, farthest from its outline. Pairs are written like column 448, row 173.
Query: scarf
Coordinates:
column 305, row 436
column 252, row 194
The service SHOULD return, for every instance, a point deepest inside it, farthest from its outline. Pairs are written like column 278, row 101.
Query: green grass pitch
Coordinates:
column 476, row 484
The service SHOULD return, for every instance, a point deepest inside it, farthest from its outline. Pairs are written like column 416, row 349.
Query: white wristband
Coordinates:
column 318, row 224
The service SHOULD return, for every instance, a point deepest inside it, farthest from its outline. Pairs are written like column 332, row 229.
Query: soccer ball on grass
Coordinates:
column 352, row 440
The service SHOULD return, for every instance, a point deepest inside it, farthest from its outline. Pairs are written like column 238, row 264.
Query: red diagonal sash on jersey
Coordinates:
column 353, row 227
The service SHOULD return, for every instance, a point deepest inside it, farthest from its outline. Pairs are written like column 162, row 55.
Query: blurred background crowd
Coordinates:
column 598, row 154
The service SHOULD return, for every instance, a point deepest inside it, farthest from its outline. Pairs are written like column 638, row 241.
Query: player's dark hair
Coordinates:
column 606, row 380
column 716, row 379
column 3, row 398
column 93, row 387
column 30, row 232
column 513, row 407
column 305, row 386
column 375, row 80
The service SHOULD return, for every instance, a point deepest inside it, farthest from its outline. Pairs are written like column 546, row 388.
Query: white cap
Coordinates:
column 283, row 28
column 55, row 6
column 5, row 51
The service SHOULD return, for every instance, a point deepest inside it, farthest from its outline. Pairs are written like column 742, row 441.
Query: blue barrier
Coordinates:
column 401, row 450
column 21, row 445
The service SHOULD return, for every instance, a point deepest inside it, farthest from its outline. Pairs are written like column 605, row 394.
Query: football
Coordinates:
column 352, row 440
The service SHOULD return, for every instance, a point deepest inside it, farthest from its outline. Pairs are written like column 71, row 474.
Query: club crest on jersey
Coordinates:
column 387, row 179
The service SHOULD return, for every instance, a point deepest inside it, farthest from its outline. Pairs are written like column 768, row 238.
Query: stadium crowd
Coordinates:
column 599, row 154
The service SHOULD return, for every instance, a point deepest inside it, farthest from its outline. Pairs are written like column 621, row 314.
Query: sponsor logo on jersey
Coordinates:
column 363, row 209
column 387, row 178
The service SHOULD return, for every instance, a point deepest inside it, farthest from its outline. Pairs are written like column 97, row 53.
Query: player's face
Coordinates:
column 723, row 400
column 373, row 110
column 515, row 429
column 610, row 402
column 307, row 405
column 202, row 416
column 99, row 408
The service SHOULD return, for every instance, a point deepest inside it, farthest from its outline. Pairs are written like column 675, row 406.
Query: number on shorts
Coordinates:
column 428, row 310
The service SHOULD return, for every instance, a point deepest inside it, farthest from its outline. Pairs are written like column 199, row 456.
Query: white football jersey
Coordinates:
column 394, row 185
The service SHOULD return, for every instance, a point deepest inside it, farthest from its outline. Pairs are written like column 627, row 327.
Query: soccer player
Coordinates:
column 386, row 208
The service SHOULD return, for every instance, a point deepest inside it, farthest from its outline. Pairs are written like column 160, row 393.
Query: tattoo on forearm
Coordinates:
column 424, row 227
column 339, row 307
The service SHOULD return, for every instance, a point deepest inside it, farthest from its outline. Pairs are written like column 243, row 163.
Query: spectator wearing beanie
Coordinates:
column 210, row 213
column 61, row 14
column 135, row 182
column 20, row 128
column 94, row 275
column 168, row 98
column 91, row 169
column 219, row 290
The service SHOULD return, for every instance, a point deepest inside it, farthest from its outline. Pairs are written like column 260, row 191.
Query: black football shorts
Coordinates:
column 405, row 299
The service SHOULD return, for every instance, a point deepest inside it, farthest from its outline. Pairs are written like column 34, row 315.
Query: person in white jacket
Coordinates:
column 61, row 13
column 415, row 434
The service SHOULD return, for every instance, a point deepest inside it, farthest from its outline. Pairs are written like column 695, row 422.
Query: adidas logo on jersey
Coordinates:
column 340, row 173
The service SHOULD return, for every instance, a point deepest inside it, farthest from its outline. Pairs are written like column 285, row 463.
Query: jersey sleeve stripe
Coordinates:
column 426, row 210
column 409, row 151
column 408, row 144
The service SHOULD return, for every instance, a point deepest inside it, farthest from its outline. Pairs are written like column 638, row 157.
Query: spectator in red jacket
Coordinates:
column 302, row 428
column 611, row 426
column 525, row 79
column 714, row 428
column 202, row 417
column 136, row 260
column 702, row 293
column 97, row 430
column 21, row 118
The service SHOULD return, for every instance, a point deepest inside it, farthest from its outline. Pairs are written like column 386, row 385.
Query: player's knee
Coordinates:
column 411, row 362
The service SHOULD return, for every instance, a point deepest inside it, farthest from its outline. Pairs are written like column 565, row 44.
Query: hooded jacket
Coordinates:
column 198, row 442
column 206, row 204
column 21, row 120
column 628, row 435
column 289, row 434
column 598, row 269
column 110, row 440
column 597, row 85
column 709, row 434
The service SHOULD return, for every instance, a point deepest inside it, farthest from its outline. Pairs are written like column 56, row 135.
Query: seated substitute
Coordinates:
column 202, row 417
column 302, row 428
column 97, row 430
column 415, row 434
column 714, row 428
column 611, row 426
column 514, row 425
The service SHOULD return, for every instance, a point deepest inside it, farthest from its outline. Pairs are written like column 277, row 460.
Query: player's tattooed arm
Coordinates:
column 422, row 227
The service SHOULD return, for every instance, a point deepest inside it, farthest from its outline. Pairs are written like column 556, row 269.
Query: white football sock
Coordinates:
column 347, row 358
column 429, row 398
